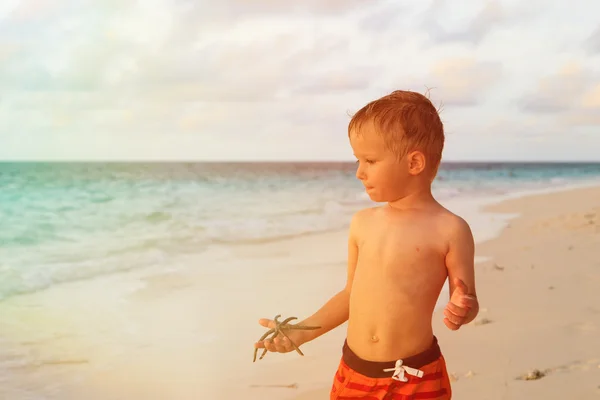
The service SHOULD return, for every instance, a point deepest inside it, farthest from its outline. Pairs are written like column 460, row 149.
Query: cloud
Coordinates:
column 124, row 75
column 566, row 90
column 138, row 49
column 591, row 99
column 570, row 98
column 464, row 81
column 474, row 30
column 581, row 118
column 472, row 21
column 284, row 75
column 204, row 15
column 384, row 17
column 521, row 126
column 262, row 7
column 587, row 113
column 66, row 46
column 336, row 81
column 593, row 41
column 33, row 10
column 7, row 51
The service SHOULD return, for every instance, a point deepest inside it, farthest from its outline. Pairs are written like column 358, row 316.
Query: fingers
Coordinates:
column 280, row 344
column 456, row 310
column 455, row 319
column 469, row 301
column 277, row 345
column 451, row 325
column 267, row 323
column 457, row 315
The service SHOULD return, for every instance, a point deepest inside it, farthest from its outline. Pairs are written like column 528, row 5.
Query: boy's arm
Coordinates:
column 460, row 263
column 335, row 311
column 331, row 315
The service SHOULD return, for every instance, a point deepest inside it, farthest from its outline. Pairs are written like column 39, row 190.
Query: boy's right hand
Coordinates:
column 280, row 344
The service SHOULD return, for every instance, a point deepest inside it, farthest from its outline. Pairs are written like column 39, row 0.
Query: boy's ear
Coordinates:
column 416, row 162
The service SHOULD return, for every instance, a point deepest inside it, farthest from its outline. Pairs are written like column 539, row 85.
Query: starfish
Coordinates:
column 280, row 328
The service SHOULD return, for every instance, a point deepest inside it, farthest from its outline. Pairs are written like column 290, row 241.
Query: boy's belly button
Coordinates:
column 374, row 339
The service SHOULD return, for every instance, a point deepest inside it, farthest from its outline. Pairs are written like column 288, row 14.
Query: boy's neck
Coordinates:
column 417, row 198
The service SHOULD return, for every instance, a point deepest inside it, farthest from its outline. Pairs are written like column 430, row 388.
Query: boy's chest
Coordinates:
column 405, row 241
column 409, row 255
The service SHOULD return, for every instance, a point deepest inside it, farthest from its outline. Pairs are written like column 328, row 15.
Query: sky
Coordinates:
column 273, row 80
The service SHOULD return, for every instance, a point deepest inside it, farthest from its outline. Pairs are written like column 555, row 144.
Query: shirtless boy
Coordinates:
column 399, row 256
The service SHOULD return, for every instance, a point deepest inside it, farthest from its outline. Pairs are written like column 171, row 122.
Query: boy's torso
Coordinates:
column 398, row 278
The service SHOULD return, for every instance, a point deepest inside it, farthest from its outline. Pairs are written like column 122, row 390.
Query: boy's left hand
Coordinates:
column 460, row 305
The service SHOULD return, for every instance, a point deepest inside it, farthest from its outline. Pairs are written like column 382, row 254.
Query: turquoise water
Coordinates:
column 69, row 221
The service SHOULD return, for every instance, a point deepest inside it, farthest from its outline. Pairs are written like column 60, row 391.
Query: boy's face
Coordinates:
column 380, row 171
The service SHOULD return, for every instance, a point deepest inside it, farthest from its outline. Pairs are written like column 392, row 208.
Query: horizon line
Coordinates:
column 225, row 161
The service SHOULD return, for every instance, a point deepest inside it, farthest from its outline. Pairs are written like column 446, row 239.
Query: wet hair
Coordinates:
column 407, row 121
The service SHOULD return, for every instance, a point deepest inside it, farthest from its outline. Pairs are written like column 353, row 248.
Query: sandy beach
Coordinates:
column 143, row 336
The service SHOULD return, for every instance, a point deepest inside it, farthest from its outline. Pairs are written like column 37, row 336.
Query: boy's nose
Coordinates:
column 360, row 173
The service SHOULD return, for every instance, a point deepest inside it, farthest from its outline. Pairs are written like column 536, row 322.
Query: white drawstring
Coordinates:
column 399, row 371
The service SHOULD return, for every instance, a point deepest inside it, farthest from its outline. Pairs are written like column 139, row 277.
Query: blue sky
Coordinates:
column 200, row 80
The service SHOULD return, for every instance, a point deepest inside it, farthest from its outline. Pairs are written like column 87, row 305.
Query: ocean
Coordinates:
column 70, row 221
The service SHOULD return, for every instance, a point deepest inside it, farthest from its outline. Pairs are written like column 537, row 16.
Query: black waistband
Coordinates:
column 374, row 369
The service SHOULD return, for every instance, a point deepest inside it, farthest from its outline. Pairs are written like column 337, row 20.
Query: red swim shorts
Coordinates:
column 422, row 376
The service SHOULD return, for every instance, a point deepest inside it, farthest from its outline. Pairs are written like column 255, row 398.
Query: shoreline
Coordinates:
column 148, row 335
column 461, row 206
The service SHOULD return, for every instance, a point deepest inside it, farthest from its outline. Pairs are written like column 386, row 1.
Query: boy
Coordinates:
column 399, row 256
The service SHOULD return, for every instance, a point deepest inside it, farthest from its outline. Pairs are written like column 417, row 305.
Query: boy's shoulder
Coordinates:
column 450, row 221
column 455, row 220
column 454, row 226
column 361, row 216
column 364, row 214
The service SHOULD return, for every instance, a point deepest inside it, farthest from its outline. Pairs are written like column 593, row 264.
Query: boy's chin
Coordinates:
column 375, row 197
column 379, row 198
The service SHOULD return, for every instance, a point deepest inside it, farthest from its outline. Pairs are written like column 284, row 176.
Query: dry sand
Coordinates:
column 179, row 336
